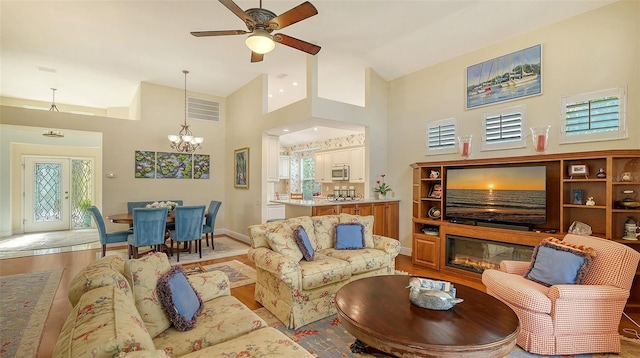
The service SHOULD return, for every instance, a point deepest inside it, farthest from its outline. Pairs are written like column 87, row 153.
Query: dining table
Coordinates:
column 127, row 218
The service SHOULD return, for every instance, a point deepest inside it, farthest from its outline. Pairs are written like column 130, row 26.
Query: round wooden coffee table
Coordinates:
column 377, row 311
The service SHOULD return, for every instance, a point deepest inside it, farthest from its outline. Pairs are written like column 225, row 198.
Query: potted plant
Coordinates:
column 382, row 188
column 84, row 205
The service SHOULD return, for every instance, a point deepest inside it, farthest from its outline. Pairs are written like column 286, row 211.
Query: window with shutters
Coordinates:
column 504, row 128
column 441, row 136
column 594, row 116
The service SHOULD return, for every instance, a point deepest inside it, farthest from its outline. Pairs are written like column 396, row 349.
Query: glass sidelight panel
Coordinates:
column 81, row 189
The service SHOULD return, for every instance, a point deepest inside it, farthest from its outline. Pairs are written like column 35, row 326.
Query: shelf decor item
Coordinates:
column 540, row 138
column 434, row 213
column 464, row 145
column 436, row 191
column 578, row 196
column 579, row 170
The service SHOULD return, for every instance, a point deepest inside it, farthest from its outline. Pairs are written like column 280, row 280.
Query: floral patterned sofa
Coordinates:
column 116, row 313
column 298, row 291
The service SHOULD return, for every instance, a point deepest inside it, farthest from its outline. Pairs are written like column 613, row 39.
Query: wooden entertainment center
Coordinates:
column 568, row 175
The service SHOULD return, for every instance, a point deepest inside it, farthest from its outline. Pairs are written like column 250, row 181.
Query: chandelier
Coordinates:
column 185, row 141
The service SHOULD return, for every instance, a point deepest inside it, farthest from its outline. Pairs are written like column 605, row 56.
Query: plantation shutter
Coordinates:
column 441, row 136
column 503, row 128
column 593, row 116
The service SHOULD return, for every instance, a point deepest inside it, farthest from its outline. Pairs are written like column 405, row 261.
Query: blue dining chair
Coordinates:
column 149, row 225
column 188, row 227
column 105, row 237
column 210, row 221
column 143, row 204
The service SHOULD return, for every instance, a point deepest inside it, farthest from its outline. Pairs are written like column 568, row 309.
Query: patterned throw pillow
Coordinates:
column 143, row 274
column 367, row 223
column 555, row 262
column 282, row 241
column 182, row 303
column 349, row 236
column 302, row 239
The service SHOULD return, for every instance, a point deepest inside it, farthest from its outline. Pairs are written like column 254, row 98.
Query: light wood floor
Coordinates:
column 73, row 262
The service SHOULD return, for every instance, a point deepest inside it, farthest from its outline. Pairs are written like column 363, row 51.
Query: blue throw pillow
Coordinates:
column 557, row 264
column 302, row 239
column 349, row 236
column 181, row 302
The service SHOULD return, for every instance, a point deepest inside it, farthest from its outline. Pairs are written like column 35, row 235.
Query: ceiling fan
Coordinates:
column 261, row 22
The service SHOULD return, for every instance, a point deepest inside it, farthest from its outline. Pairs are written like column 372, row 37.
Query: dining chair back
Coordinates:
column 143, row 204
column 149, row 225
column 210, row 221
column 105, row 237
column 188, row 227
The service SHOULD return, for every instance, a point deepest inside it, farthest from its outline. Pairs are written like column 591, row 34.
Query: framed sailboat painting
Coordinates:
column 505, row 78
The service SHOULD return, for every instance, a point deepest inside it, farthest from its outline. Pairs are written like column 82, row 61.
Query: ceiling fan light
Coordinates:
column 260, row 42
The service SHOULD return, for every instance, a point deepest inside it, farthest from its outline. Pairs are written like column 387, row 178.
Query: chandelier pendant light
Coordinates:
column 53, row 102
column 185, row 141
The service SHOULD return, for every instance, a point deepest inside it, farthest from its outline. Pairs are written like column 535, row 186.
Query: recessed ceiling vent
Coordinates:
column 203, row 109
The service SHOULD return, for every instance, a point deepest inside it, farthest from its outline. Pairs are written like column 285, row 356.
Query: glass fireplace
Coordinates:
column 476, row 255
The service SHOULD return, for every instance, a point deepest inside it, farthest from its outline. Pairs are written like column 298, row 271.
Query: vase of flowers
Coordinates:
column 382, row 188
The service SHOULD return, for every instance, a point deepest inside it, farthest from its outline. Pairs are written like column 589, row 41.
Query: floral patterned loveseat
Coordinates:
column 298, row 291
column 116, row 313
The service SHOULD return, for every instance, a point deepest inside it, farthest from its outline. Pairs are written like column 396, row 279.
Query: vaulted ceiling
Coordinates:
column 97, row 52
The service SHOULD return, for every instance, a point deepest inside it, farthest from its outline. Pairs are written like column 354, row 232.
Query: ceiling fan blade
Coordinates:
column 298, row 13
column 256, row 57
column 238, row 11
column 297, row 43
column 218, row 33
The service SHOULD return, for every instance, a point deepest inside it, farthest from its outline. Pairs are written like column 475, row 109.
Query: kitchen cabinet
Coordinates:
column 323, row 167
column 357, row 209
column 275, row 211
column 340, row 157
column 273, row 158
column 356, row 162
column 386, row 217
column 325, row 210
column 284, row 169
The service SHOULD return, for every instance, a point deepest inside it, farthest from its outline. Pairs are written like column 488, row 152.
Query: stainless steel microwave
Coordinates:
column 340, row 172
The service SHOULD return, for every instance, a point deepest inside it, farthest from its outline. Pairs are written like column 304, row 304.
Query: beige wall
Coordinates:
column 594, row 51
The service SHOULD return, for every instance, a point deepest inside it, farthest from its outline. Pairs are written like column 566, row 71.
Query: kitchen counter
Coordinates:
column 385, row 212
column 325, row 202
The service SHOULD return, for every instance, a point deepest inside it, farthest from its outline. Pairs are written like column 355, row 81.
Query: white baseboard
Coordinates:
column 236, row 235
column 406, row 251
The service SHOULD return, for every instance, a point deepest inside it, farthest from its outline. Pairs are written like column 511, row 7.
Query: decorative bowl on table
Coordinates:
column 431, row 294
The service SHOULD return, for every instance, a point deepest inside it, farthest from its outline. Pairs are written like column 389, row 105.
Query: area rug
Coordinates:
column 326, row 338
column 25, row 300
column 239, row 274
column 225, row 247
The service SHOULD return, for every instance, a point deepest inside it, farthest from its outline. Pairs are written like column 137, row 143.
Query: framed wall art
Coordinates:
column 505, row 78
column 241, row 168
column 174, row 165
column 145, row 164
column 201, row 165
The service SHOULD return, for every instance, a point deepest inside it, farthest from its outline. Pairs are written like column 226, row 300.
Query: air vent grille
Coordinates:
column 203, row 109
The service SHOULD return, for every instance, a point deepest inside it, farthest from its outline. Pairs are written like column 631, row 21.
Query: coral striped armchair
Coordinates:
column 569, row 319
